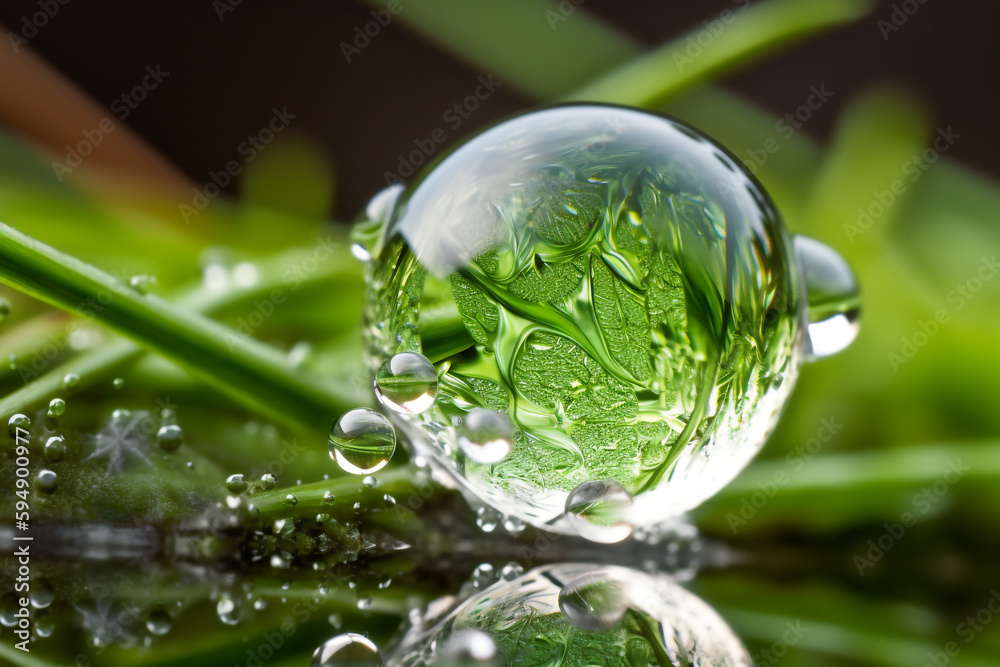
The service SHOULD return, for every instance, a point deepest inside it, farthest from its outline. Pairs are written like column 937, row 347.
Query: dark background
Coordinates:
column 226, row 76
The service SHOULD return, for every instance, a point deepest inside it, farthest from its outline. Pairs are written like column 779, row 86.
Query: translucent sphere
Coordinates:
column 578, row 614
column 611, row 280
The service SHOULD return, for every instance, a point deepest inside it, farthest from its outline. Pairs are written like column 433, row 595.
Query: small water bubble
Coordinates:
column 370, row 482
column 260, row 604
column 329, row 498
column 299, row 354
column 236, row 483
column 833, row 294
column 45, row 626
column 593, row 601
column 486, row 436
column 42, row 594
column 347, row 650
column 71, row 380
column 469, row 648
column 17, row 422
column 253, row 511
column 599, row 511
column 4, row 309
column 57, row 407
column 118, row 383
column 388, row 500
column 513, row 524
column 55, row 448
column 322, row 517
column 364, row 604
column 47, row 481
column 487, row 519
column 335, row 621
column 511, row 571
column 159, row 621
column 406, row 383
column 8, row 611
column 291, row 500
column 362, row 441
column 483, row 575
column 142, row 283
column 229, row 610
column 267, row 481
column 170, row 437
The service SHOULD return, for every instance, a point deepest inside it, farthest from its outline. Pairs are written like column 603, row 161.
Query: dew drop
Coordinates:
column 118, row 383
column 170, row 437
column 834, row 297
column 347, row 650
column 55, row 448
column 598, row 511
column 236, row 484
column 329, row 498
column 71, row 380
column 511, row 571
column 291, row 500
column 142, row 284
column 17, row 422
column 486, row 436
column 593, row 601
column 267, row 481
column 362, row 441
column 42, row 594
column 483, row 575
column 469, row 648
column 45, row 626
column 230, row 610
column 364, row 604
column 487, row 519
column 370, row 482
column 57, row 407
column 4, row 309
column 159, row 622
column 47, row 481
column 406, row 383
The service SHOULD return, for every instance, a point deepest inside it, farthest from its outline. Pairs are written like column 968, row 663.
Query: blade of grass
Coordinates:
column 254, row 374
column 760, row 29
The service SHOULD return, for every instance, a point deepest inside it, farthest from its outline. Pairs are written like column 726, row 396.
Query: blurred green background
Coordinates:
column 902, row 428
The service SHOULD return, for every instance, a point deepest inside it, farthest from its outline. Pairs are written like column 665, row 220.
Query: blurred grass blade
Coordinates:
column 254, row 374
column 740, row 37
column 528, row 44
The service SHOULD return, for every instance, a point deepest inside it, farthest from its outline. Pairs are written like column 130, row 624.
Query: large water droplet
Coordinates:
column 470, row 648
column 406, row 383
column 486, row 436
column 236, row 483
column 599, row 511
column 362, row 441
column 347, row 650
column 594, row 601
column 834, row 297
column 170, row 437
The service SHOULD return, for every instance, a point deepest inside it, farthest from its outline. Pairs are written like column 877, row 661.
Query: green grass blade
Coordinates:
column 254, row 374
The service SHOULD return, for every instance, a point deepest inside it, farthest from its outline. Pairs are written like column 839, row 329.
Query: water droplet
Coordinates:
column 170, row 437
column 513, row 524
column 267, row 481
column 322, row 517
column 16, row 422
column 8, row 611
column 245, row 274
column 230, row 610
column 834, row 297
column 57, row 407
column 71, row 380
column 483, row 575
column 335, row 621
column 469, row 648
column 42, row 594
column 55, row 448
column 118, row 383
column 364, row 604
column 260, row 604
column 329, row 498
column 370, row 482
column 46, row 481
column 360, row 252
column 4, row 309
column 362, row 441
column 236, row 483
column 45, row 626
column 594, row 601
column 291, row 500
column 347, row 650
column 406, row 383
column 159, row 621
column 142, row 284
column 511, row 571
column 486, row 436
column 299, row 353
column 598, row 511
column 487, row 519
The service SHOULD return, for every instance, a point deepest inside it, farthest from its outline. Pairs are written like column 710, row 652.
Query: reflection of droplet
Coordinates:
column 834, row 297
column 159, row 622
column 469, row 648
column 362, row 441
column 486, row 436
column 347, row 650
column 594, row 601
column 406, row 383
column 599, row 511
